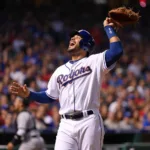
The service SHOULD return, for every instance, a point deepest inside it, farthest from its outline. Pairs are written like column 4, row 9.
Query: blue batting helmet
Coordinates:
column 87, row 43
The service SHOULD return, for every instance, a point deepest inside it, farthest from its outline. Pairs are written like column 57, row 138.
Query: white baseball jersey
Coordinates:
column 77, row 84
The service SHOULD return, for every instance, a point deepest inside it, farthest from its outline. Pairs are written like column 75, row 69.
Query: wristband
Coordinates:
column 110, row 31
column 16, row 140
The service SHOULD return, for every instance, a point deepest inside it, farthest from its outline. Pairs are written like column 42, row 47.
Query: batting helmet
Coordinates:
column 87, row 43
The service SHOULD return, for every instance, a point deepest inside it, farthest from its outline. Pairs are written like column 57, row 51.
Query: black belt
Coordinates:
column 34, row 136
column 76, row 115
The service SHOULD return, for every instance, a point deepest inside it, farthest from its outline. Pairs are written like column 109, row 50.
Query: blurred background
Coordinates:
column 33, row 42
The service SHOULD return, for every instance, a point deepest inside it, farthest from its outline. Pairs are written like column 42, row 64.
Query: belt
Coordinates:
column 34, row 136
column 77, row 114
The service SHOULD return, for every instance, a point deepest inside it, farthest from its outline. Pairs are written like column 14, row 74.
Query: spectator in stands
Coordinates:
column 4, row 101
column 18, row 43
column 4, row 112
column 125, row 124
column 119, row 115
column 8, row 123
column 141, row 88
column 136, row 120
column 135, row 67
column 148, row 78
column 56, row 117
column 111, row 123
column 40, row 115
column 104, row 111
column 146, row 122
column 116, row 105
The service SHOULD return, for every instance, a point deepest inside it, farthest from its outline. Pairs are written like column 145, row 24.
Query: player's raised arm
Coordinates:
column 116, row 50
column 24, row 92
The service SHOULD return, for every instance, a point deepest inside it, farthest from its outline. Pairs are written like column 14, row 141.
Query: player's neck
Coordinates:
column 78, row 56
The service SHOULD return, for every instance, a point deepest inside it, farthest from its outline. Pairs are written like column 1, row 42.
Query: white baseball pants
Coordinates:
column 84, row 134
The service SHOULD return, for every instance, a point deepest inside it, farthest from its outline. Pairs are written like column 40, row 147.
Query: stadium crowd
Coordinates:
column 30, row 51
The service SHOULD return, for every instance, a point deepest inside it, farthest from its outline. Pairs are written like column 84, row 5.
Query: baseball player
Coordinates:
column 76, row 84
column 26, row 134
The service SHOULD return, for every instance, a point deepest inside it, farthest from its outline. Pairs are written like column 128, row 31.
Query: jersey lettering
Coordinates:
column 63, row 80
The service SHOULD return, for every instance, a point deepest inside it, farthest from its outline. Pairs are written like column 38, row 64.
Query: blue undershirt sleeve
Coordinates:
column 114, row 53
column 40, row 97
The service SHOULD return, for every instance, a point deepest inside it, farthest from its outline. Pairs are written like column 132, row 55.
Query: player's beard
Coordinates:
column 74, row 51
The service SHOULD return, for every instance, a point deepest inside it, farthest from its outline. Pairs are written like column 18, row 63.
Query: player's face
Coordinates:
column 17, row 104
column 74, row 43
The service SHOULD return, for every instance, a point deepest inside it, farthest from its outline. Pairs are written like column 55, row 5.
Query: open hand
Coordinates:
column 19, row 90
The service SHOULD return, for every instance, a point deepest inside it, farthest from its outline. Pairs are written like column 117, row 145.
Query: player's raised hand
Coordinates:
column 107, row 22
column 19, row 90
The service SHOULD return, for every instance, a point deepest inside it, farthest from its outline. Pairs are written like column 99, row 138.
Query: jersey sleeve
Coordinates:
column 52, row 89
column 22, row 120
column 100, row 62
column 105, row 68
